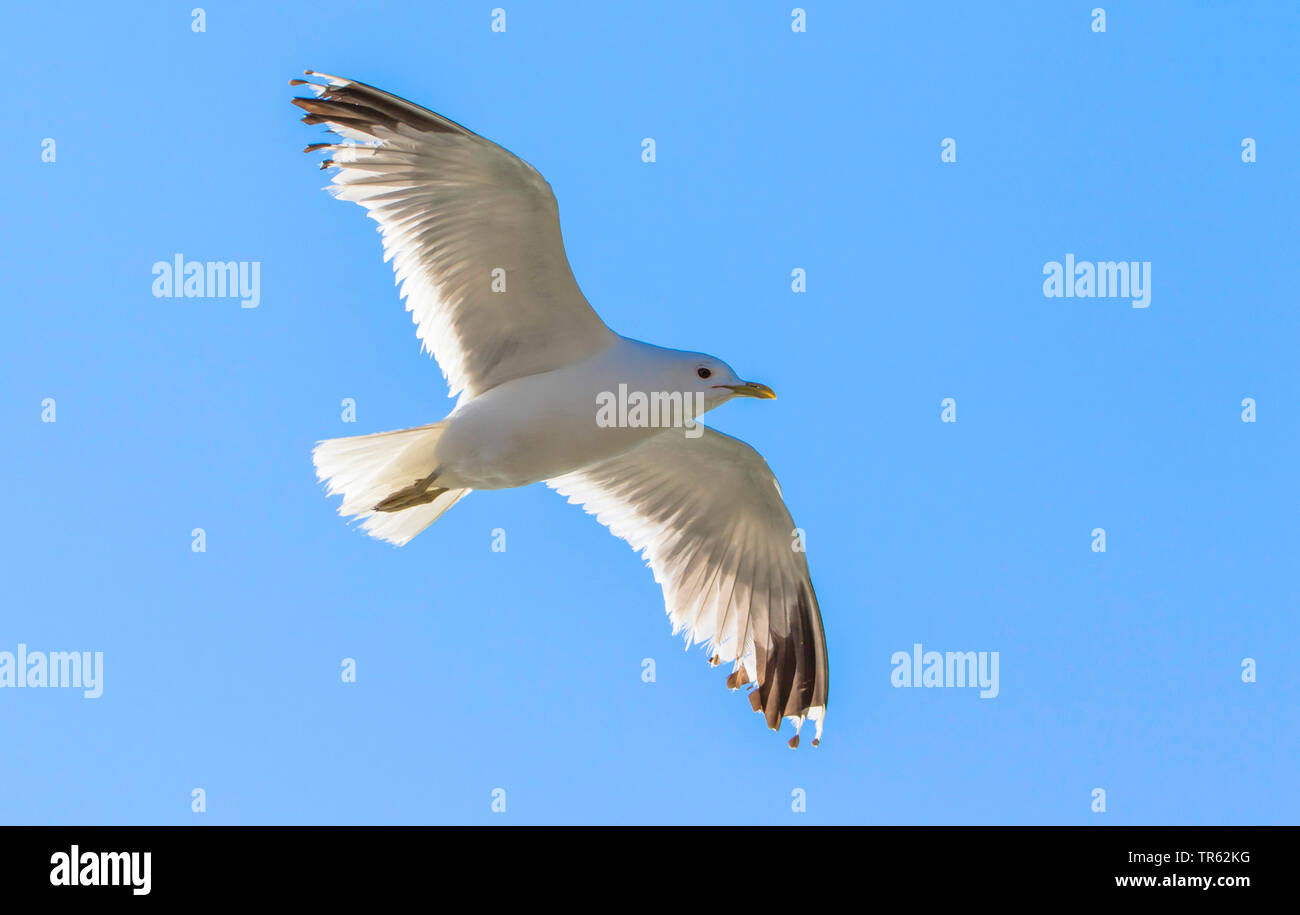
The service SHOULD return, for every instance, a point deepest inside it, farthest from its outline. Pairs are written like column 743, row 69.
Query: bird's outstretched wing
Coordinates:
column 472, row 230
column 708, row 515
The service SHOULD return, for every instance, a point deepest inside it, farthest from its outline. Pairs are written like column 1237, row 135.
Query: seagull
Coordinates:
column 473, row 232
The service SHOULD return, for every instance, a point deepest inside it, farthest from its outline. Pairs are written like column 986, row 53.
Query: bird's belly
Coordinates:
column 524, row 432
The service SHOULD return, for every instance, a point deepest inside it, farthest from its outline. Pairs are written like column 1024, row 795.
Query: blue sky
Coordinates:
column 521, row 670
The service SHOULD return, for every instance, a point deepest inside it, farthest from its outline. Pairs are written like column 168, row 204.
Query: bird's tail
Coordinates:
column 387, row 479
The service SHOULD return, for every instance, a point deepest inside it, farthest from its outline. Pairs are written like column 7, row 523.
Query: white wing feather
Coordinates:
column 453, row 208
column 707, row 514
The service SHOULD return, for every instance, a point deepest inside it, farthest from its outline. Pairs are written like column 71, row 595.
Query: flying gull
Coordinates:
column 474, row 236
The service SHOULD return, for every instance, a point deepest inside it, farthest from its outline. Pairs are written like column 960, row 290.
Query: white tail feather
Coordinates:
column 367, row 469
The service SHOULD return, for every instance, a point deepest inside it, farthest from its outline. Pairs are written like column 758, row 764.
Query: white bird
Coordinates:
column 474, row 236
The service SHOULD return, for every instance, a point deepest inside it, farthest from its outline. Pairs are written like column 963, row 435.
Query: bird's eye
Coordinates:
column 703, row 373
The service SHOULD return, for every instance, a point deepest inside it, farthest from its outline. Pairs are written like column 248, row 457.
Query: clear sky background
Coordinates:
column 521, row 670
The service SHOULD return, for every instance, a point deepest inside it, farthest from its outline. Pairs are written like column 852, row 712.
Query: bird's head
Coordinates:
column 717, row 381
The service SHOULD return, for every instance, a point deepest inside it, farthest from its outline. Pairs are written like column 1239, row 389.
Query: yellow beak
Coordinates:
column 751, row 389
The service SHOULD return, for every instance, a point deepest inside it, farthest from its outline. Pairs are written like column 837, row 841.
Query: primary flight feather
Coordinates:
column 474, row 235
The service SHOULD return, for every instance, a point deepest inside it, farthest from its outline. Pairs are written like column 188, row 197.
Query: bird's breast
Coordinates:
column 542, row 427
